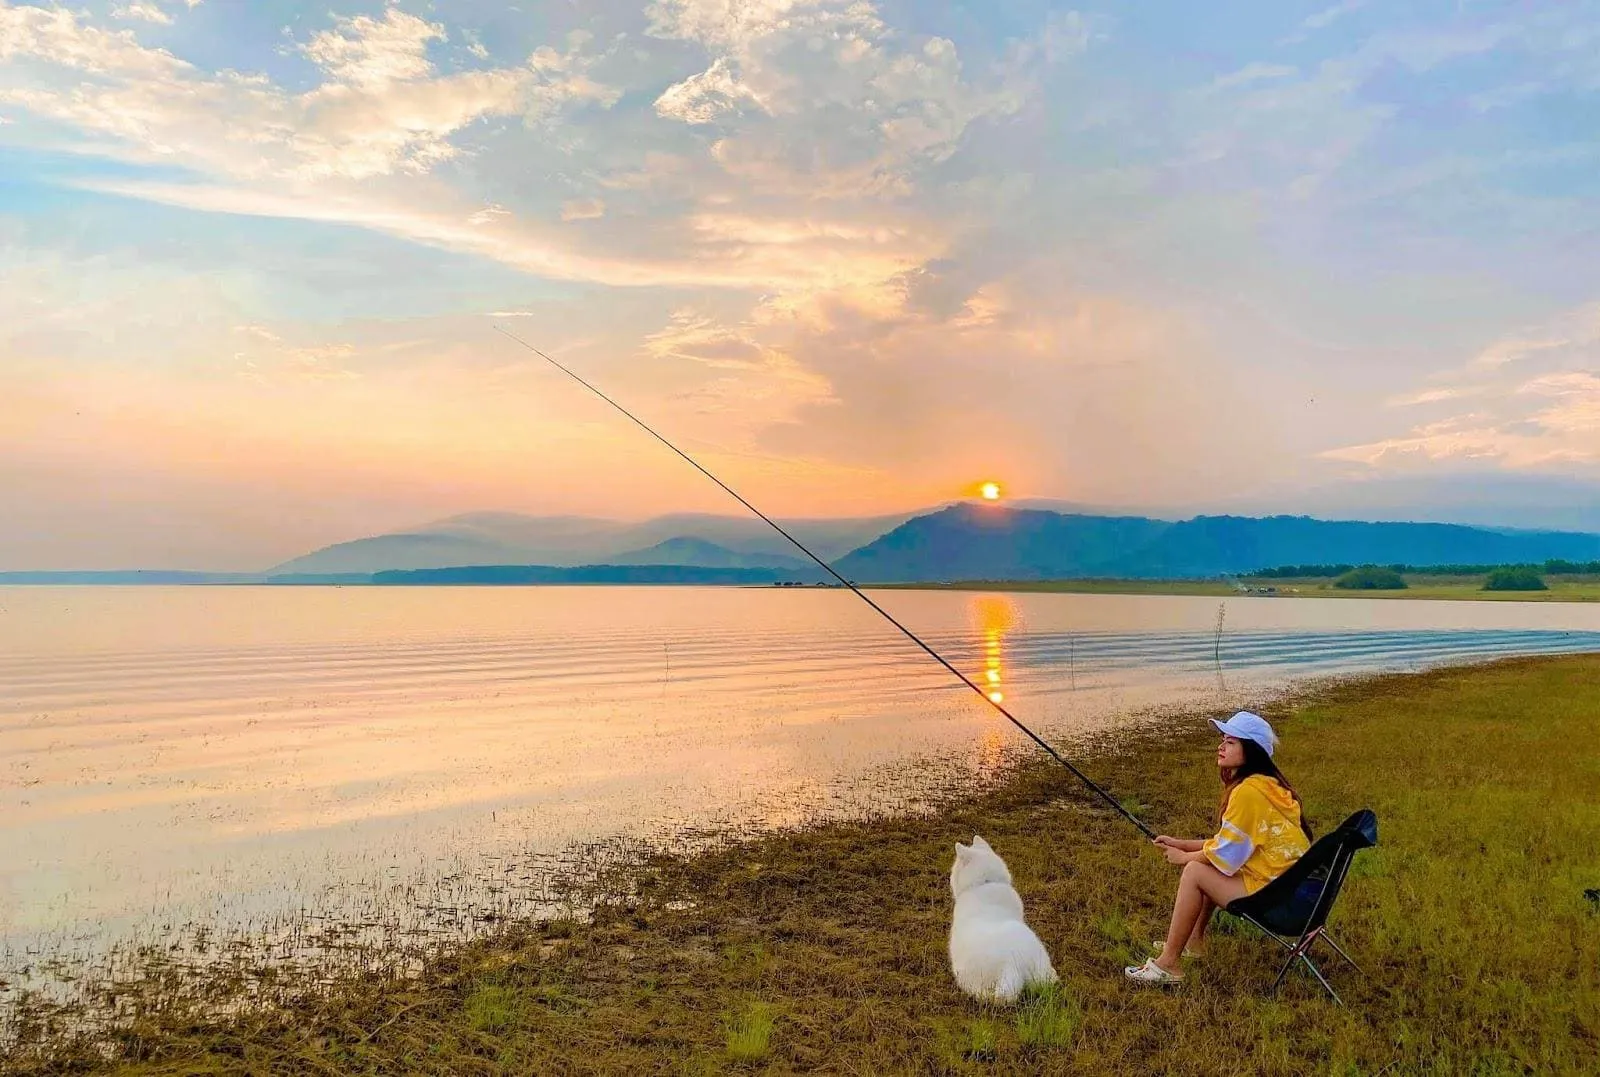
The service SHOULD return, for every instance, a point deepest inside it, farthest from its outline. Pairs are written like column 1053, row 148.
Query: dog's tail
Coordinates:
column 1016, row 978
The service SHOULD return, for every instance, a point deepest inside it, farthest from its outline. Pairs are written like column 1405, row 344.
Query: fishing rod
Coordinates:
column 912, row 636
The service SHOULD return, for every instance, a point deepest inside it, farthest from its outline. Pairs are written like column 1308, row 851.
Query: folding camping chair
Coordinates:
column 1293, row 908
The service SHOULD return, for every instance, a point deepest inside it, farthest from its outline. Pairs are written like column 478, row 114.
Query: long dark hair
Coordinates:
column 1256, row 761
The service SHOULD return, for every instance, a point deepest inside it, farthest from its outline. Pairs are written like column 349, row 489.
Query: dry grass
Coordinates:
column 823, row 950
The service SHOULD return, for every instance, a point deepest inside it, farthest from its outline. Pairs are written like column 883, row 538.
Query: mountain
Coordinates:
column 503, row 538
column 971, row 542
column 702, row 554
column 502, row 575
column 1209, row 545
column 1492, row 501
column 987, row 542
column 115, row 578
column 163, row 577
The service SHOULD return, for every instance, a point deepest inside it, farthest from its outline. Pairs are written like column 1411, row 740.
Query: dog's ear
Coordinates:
column 962, row 851
column 979, row 843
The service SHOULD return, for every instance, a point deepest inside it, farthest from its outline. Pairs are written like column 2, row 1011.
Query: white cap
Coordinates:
column 1247, row 726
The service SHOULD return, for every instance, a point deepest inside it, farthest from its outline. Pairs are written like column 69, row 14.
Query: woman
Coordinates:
column 1261, row 833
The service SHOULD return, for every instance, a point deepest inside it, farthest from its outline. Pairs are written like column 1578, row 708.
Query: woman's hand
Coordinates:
column 1178, row 856
column 1171, row 843
column 1188, row 845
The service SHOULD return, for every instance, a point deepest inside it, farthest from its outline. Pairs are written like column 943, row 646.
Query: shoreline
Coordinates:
column 1560, row 591
column 1429, row 589
column 822, row 948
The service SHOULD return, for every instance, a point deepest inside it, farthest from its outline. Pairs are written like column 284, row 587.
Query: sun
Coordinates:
column 990, row 491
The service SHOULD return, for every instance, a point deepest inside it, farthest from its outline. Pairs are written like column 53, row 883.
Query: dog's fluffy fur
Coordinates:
column 993, row 952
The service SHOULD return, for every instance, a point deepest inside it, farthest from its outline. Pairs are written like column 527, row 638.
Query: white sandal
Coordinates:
column 1151, row 973
column 1160, row 944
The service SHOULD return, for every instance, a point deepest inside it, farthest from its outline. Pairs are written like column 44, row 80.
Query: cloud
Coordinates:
column 385, row 112
column 368, row 52
column 146, row 12
column 757, row 382
column 1290, row 131
column 56, row 36
column 1251, row 73
column 381, row 111
column 382, row 108
column 1432, row 396
column 821, row 96
column 583, row 209
column 1537, row 405
column 1325, row 18
column 522, row 245
column 280, row 365
column 708, row 96
column 1580, row 329
column 563, row 79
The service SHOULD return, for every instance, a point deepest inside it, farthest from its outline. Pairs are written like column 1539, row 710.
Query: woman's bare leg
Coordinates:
column 1197, row 938
column 1199, row 882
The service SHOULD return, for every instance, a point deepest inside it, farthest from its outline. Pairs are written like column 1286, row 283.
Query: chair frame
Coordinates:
column 1299, row 946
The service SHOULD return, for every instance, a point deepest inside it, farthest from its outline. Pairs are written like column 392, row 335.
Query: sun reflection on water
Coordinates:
column 993, row 616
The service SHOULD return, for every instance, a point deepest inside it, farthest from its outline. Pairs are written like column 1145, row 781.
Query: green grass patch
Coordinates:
column 750, row 1033
column 492, row 1008
column 1047, row 1018
column 983, row 1040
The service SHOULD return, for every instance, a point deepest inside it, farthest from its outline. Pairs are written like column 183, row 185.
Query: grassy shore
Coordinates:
column 824, row 950
column 1453, row 588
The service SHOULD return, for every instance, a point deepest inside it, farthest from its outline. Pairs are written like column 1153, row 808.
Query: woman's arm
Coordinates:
column 1233, row 846
column 1187, row 845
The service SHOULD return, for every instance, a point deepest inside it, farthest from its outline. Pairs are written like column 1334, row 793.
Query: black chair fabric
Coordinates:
column 1286, row 904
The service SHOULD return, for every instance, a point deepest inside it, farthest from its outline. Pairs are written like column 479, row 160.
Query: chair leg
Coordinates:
column 1340, row 951
column 1326, row 986
column 1299, row 953
column 1296, row 951
column 1273, row 990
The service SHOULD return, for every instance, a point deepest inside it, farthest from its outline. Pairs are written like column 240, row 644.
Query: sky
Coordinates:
column 856, row 255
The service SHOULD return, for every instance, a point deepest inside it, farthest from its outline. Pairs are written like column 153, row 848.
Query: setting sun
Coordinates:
column 990, row 491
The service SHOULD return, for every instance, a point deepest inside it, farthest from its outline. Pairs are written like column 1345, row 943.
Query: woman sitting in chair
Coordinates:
column 1261, row 833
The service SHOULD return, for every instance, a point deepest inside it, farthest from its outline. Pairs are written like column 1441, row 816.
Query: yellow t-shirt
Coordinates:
column 1260, row 834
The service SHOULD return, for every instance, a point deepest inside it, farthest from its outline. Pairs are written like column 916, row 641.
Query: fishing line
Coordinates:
column 912, row 636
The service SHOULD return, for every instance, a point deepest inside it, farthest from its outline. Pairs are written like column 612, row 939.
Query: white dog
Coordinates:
column 993, row 953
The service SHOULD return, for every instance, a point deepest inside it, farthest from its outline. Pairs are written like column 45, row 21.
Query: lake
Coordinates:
column 239, row 762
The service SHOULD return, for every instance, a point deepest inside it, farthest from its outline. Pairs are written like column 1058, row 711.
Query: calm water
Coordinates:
column 239, row 759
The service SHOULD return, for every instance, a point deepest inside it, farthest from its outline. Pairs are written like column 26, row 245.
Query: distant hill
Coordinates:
column 965, row 541
column 503, row 575
column 987, row 542
column 702, row 554
column 567, row 541
column 161, row 577
column 1208, row 545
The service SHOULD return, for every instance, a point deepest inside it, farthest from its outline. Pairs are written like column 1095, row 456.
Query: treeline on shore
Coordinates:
column 1554, row 567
